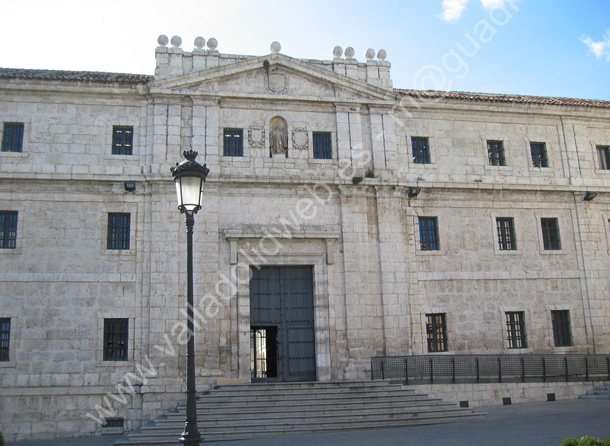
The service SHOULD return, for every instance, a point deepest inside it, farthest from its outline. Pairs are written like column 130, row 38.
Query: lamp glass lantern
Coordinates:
column 189, row 177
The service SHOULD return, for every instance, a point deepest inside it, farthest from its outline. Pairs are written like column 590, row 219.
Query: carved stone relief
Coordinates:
column 300, row 138
column 256, row 137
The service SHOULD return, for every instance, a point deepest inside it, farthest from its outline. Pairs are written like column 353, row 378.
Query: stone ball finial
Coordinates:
column 212, row 43
column 349, row 52
column 176, row 41
column 337, row 51
column 370, row 54
column 382, row 54
column 275, row 46
column 199, row 42
column 162, row 40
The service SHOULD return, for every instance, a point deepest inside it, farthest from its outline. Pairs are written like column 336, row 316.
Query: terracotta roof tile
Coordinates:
column 79, row 76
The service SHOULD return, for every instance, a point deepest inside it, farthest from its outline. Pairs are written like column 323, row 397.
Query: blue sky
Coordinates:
column 533, row 47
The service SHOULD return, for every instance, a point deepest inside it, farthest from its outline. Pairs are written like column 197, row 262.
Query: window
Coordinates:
column 506, row 233
column 118, row 230
column 233, row 144
column 539, row 157
column 436, row 329
column 550, row 233
column 428, row 234
column 495, row 151
column 8, row 229
column 562, row 333
column 515, row 326
column 122, row 140
column 12, row 137
column 322, row 148
column 421, row 150
column 603, row 153
column 115, row 339
column 5, row 338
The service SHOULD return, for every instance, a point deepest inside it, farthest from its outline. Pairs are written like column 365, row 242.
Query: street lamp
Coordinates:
column 189, row 177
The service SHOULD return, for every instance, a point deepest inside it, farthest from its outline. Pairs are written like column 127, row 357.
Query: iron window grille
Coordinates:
column 5, row 338
column 12, row 137
column 436, row 330
column 428, row 234
column 322, row 148
column 550, row 234
column 506, row 233
column 495, row 151
column 562, row 332
column 122, row 140
column 515, row 327
column 115, row 339
column 8, row 229
column 233, row 142
column 421, row 150
column 603, row 154
column 539, row 155
column 118, row 230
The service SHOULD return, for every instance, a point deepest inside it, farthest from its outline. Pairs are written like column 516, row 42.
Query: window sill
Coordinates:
column 11, row 251
column 15, row 154
column 552, row 252
column 431, row 252
column 118, row 252
column 7, row 364
column 423, row 165
column 507, row 252
column 322, row 161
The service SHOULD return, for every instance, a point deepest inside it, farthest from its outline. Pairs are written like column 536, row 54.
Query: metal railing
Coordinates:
column 429, row 369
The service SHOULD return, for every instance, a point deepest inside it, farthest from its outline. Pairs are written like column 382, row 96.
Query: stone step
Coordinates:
column 595, row 397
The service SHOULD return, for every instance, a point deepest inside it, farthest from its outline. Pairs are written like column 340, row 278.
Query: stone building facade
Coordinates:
column 401, row 222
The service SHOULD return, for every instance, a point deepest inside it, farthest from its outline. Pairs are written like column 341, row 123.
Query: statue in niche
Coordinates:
column 278, row 136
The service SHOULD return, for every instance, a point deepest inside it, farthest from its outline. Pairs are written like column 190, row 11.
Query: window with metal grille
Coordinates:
column 8, row 229
column 506, row 233
column 5, row 338
column 495, row 151
column 539, row 156
column 12, row 137
column 118, row 230
column 603, row 154
column 115, row 339
column 562, row 332
column 421, row 150
column 233, row 142
column 322, row 148
column 436, row 329
column 550, row 234
column 428, row 234
column 122, row 140
column 515, row 327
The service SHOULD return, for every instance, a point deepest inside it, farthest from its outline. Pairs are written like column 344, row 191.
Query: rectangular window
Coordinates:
column 428, row 234
column 421, row 150
column 603, row 153
column 506, row 233
column 233, row 142
column 115, row 339
column 495, row 151
column 122, row 140
column 539, row 156
column 550, row 234
column 562, row 332
column 5, row 338
column 12, row 137
column 436, row 329
column 322, row 148
column 515, row 326
column 8, row 229
column 118, row 230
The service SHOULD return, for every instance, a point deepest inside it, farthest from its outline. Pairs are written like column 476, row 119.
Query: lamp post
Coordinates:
column 189, row 177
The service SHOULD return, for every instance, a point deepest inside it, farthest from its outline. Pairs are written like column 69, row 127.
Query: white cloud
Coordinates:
column 452, row 9
column 600, row 49
column 491, row 4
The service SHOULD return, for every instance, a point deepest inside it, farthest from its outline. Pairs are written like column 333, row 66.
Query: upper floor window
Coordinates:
column 539, row 156
column 12, row 137
column 603, row 153
column 122, row 140
column 495, row 152
column 5, row 338
column 562, row 331
column 115, row 339
column 118, row 230
column 421, row 150
column 436, row 330
column 8, row 229
column 233, row 142
column 322, row 148
column 506, row 233
column 515, row 327
column 428, row 234
column 550, row 233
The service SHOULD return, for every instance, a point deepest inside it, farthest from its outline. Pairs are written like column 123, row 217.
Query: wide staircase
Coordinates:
column 599, row 393
column 238, row 412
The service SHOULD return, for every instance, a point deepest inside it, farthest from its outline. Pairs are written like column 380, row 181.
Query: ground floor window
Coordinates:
column 436, row 329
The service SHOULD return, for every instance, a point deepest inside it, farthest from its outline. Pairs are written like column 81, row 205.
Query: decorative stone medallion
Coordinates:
column 256, row 137
column 277, row 81
column 300, row 138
